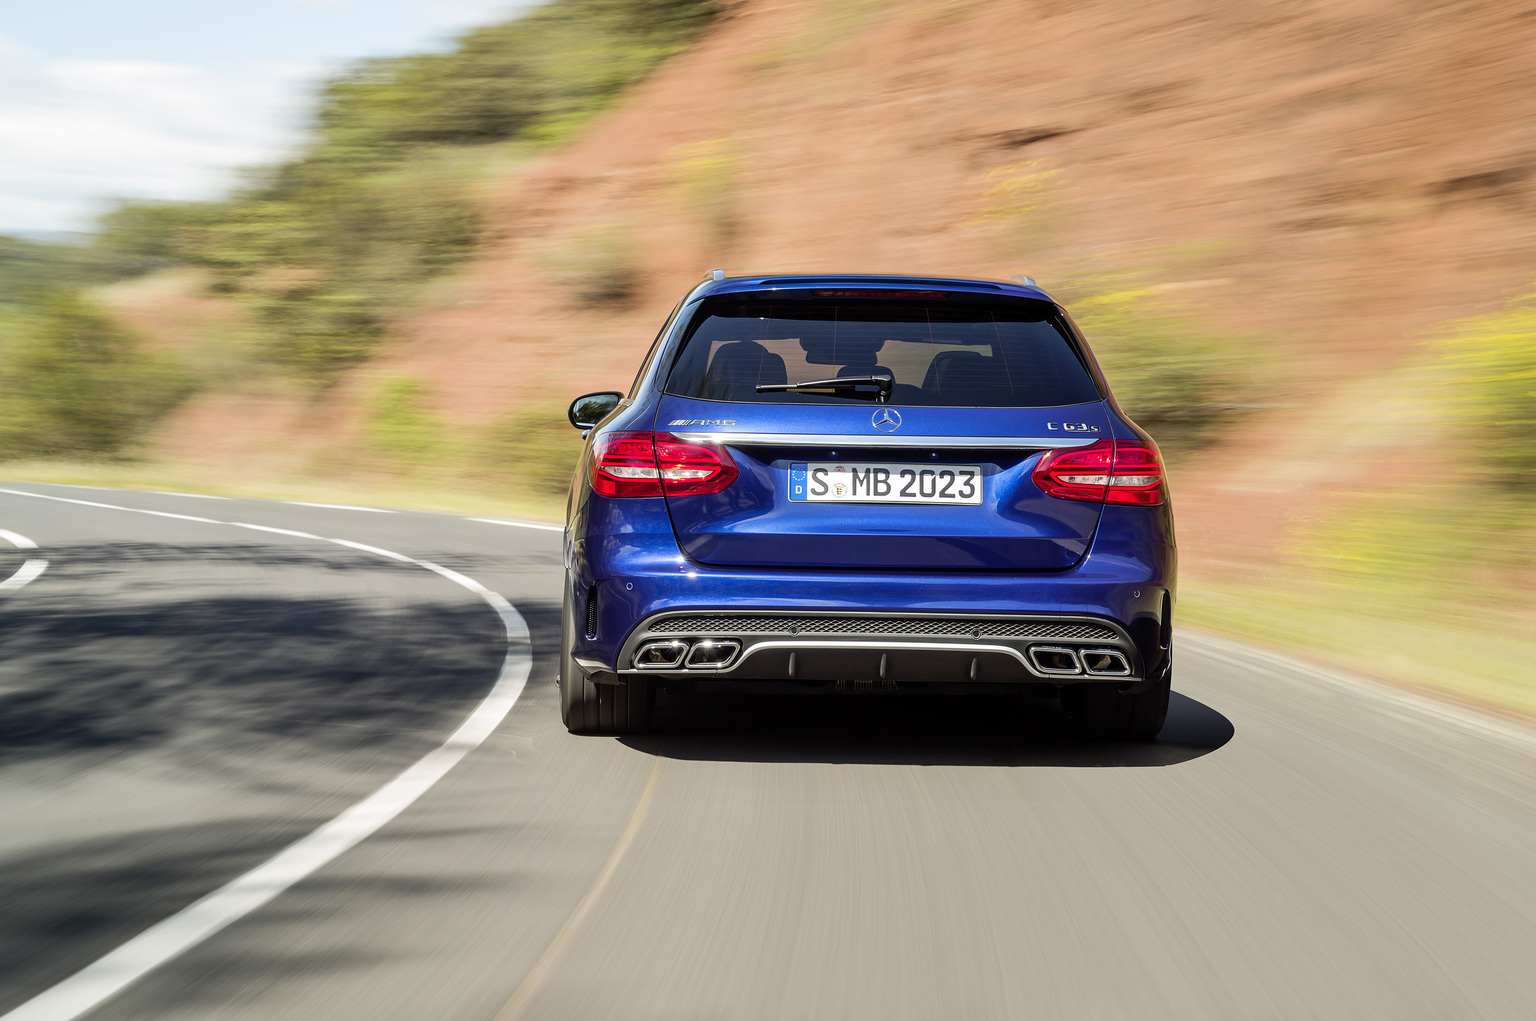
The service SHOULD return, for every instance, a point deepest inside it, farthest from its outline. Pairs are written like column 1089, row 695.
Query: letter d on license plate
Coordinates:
column 864, row 482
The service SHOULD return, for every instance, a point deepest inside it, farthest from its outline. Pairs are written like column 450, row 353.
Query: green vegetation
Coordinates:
column 401, row 428
column 29, row 269
column 1020, row 208
column 1424, row 574
column 707, row 176
column 1487, row 373
column 330, row 247
column 73, row 383
column 1175, row 377
column 532, row 452
column 596, row 267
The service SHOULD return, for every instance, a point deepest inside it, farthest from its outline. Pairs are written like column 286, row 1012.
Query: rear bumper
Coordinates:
column 898, row 648
column 625, row 583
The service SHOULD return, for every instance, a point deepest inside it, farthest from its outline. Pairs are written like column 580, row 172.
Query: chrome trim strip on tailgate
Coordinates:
column 884, row 440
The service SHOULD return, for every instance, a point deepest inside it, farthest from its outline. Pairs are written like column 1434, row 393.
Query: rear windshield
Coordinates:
column 1015, row 355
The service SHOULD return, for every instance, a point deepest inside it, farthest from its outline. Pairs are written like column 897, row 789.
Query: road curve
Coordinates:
column 179, row 701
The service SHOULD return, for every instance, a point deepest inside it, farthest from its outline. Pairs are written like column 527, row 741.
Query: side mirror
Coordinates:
column 590, row 409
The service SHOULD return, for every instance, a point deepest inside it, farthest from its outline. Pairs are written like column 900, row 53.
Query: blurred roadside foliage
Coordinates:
column 1019, row 208
column 597, row 267
column 331, row 246
column 1487, row 377
column 29, row 269
column 1425, row 571
column 531, row 453
column 534, row 450
column 1175, row 376
column 401, row 427
column 73, row 383
column 707, row 177
column 1474, row 387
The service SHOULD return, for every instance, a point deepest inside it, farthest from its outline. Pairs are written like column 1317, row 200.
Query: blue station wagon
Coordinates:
column 867, row 482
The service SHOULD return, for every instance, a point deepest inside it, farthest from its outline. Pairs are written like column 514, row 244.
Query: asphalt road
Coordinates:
column 179, row 701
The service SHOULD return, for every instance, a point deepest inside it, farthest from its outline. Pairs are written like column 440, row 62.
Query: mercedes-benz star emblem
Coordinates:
column 886, row 420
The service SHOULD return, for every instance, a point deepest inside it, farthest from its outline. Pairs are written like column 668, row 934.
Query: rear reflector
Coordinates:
column 628, row 464
column 1109, row 471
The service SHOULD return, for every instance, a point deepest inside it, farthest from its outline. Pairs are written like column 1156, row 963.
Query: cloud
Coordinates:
column 75, row 132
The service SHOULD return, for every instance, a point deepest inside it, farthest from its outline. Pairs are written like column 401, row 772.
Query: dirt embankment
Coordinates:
column 1339, row 176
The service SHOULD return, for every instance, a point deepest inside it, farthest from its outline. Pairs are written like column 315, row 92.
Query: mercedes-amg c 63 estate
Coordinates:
column 862, row 482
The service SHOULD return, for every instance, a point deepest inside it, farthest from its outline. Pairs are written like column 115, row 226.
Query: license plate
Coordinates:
column 864, row 482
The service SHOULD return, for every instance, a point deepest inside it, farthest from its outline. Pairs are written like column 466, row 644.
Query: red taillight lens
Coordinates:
column 1109, row 471
column 689, row 469
column 629, row 464
column 624, row 464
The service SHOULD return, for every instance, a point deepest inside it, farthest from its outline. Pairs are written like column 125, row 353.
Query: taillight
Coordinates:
column 690, row 469
column 1109, row 471
column 649, row 464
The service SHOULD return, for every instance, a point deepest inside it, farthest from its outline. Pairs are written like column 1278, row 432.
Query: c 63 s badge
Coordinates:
column 1071, row 427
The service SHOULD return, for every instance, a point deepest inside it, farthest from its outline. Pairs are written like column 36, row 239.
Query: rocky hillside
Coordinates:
column 1318, row 183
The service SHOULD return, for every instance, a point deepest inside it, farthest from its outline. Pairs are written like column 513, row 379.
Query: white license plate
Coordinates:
column 865, row 482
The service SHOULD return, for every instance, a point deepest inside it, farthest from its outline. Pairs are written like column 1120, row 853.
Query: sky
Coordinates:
column 166, row 99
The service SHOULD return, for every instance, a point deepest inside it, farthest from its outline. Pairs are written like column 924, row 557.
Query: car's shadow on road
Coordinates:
column 912, row 730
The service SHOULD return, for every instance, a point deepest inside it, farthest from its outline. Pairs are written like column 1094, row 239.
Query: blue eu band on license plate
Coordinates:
column 873, row 482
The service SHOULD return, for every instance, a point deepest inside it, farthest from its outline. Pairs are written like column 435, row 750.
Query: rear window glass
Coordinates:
column 1017, row 355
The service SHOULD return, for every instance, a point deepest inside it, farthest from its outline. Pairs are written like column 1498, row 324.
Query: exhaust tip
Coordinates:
column 712, row 653
column 1053, row 659
column 1105, row 662
column 660, row 655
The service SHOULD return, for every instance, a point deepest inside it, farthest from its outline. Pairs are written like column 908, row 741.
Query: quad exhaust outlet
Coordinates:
column 676, row 653
column 1060, row 661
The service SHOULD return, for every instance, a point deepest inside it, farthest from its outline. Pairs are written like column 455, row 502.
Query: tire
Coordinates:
column 588, row 708
column 1101, row 712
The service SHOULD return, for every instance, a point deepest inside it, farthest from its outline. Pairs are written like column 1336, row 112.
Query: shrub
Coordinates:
column 1487, row 377
column 330, row 246
column 401, row 425
column 73, row 382
column 1177, row 379
column 536, row 448
column 596, row 266
column 707, row 175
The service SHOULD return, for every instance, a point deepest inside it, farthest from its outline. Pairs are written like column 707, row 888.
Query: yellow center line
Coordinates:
column 525, row 989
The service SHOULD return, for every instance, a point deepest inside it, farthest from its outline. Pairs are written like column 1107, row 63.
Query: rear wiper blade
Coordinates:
column 838, row 384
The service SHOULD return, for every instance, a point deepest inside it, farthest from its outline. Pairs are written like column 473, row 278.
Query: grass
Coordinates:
column 1485, row 660
column 1424, row 573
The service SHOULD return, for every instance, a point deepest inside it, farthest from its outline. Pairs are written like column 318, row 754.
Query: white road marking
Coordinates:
column 373, row 549
column 338, row 506
column 19, row 541
column 167, row 939
column 194, row 496
column 29, row 570
column 521, row 524
column 278, row 531
column 182, row 517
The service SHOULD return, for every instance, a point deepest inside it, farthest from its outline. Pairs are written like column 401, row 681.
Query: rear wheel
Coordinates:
column 588, row 708
column 1104, row 713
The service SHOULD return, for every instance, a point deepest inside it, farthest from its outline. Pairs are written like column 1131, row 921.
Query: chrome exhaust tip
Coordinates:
column 712, row 653
column 660, row 655
column 1105, row 662
column 1054, row 660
